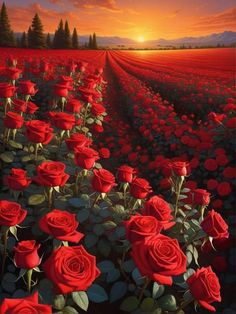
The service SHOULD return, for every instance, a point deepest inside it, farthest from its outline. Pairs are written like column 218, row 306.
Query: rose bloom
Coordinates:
column 61, row 225
column 62, row 120
column 31, row 108
column 17, row 180
column 19, row 105
column 205, row 287
column 160, row 209
column 77, row 140
column 7, row 90
column 210, row 164
column 97, row 109
column 38, row 131
column 71, row 268
column 104, row 153
column 140, row 188
column 51, row 173
column 125, row 173
column 27, row 88
column 138, row 227
column 103, row 180
column 13, row 120
column 26, row 254
column 74, row 105
column 12, row 73
column 224, row 188
column 85, row 157
column 179, row 168
column 159, row 258
column 200, row 197
column 27, row 305
column 214, row 225
column 11, row 213
column 61, row 90
column 97, row 128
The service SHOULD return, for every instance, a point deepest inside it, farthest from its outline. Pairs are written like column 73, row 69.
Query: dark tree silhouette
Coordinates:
column 23, row 41
column 75, row 40
column 90, row 43
column 48, row 41
column 59, row 37
column 94, row 42
column 37, row 38
column 67, row 40
column 6, row 34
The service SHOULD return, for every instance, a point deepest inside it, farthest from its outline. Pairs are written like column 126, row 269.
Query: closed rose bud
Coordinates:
column 74, row 105
column 13, row 120
column 26, row 254
column 7, row 90
column 85, row 157
column 27, row 88
column 17, row 180
column 140, row 188
column 125, row 173
column 214, row 225
column 200, row 197
column 77, row 140
column 103, row 180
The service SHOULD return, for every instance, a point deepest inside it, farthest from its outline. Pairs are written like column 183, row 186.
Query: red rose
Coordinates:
column 160, row 209
column 85, row 157
column 62, row 120
column 12, row 73
column 212, row 184
column 17, row 180
column 222, row 160
column 214, row 225
column 179, row 168
column 104, row 152
column 44, row 66
column 200, row 197
column 103, row 180
column 26, row 254
column 27, row 88
column 28, row 305
column 61, row 225
column 97, row 109
column 71, row 268
column 125, row 173
column 11, row 213
column 7, row 90
column 231, row 123
column 74, row 105
column 97, row 128
column 138, row 227
column 31, row 108
column 66, row 80
column 210, row 164
column 224, row 188
column 51, row 173
column 38, row 131
column 205, row 287
column 229, row 172
column 61, row 90
column 13, row 120
column 140, row 188
column 19, row 105
column 77, row 140
column 159, row 258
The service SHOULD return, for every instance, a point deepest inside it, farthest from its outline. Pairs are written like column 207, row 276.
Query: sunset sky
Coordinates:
column 136, row 19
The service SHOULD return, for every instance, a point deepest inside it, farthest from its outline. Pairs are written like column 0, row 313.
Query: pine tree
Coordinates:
column 90, row 43
column 37, row 36
column 94, row 42
column 48, row 41
column 6, row 34
column 59, row 36
column 75, row 41
column 29, row 37
column 18, row 42
column 23, row 41
column 68, row 42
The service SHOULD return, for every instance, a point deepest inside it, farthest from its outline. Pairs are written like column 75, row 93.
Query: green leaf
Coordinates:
column 104, row 247
column 90, row 240
column 7, row 157
column 14, row 144
column 36, row 199
column 138, row 278
column 113, row 275
column 157, row 290
column 70, row 310
column 83, row 215
column 98, row 229
column 118, row 290
column 97, row 294
column 188, row 273
column 105, row 266
column 147, row 305
column 129, row 304
column 129, row 266
column 13, row 231
column 108, row 225
column 167, row 302
column 81, row 299
column 59, row 302
column 189, row 258
column 78, row 202
column 90, row 121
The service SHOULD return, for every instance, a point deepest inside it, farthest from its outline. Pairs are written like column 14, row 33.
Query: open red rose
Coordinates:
column 26, row 254
column 61, row 225
column 160, row 209
column 104, row 153
column 125, row 173
column 103, row 180
column 77, row 140
column 38, row 131
column 138, row 227
column 62, row 120
column 27, row 305
column 179, row 168
column 214, row 225
column 71, row 268
column 12, row 73
column 17, row 180
column 13, row 120
column 74, row 105
column 97, row 109
column 11, row 213
column 159, row 258
column 27, row 88
column 140, row 188
column 85, row 157
column 7, row 90
column 200, row 197
column 205, row 287
column 51, row 173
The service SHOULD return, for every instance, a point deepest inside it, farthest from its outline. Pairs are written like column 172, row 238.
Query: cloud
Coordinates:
column 109, row 5
column 172, row 15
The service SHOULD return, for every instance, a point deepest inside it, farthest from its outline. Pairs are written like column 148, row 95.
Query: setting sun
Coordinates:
column 141, row 39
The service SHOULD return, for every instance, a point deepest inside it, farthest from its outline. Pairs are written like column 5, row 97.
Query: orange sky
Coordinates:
column 136, row 19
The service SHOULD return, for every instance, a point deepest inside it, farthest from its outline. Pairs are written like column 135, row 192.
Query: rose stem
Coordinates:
column 29, row 276
column 85, row 114
column 50, row 197
column 125, row 186
column 95, row 201
column 5, row 237
column 194, row 236
column 179, row 185
column 184, row 304
column 147, row 281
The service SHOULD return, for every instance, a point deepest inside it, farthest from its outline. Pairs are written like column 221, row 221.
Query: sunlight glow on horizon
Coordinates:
column 141, row 39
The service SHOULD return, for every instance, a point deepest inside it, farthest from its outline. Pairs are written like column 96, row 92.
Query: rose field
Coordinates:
column 117, row 181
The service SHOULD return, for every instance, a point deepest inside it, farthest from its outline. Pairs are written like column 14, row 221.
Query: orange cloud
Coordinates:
column 109, row 5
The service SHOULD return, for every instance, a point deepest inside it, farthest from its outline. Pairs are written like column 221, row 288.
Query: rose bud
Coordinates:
column 26, row 305
column 13, row 120
column 200, row 197
column 138, row 227
column 12, row 73
column 7, row 90
column 160, row 209
column 85, row 157
column 103, row 180
column 140, row 188
column 125, row 173
column 104, row 153
column 77, row 140
column 61, row 225
column 62, row 120
column 17, row 180
column 179, row 168
column 61, row 90
column 74, row 105
column 97, row 109
column 205, row 287
column 27, row 88
column 19, row 105
column 31, row 108
column 38, row 131
column 26, row 254
column 11, row 213
column 214, row 225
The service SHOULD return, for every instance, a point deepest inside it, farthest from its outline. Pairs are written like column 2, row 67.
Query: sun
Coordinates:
column 141, row 39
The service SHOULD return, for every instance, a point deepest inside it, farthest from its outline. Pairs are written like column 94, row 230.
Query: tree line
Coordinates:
column 35, row 37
